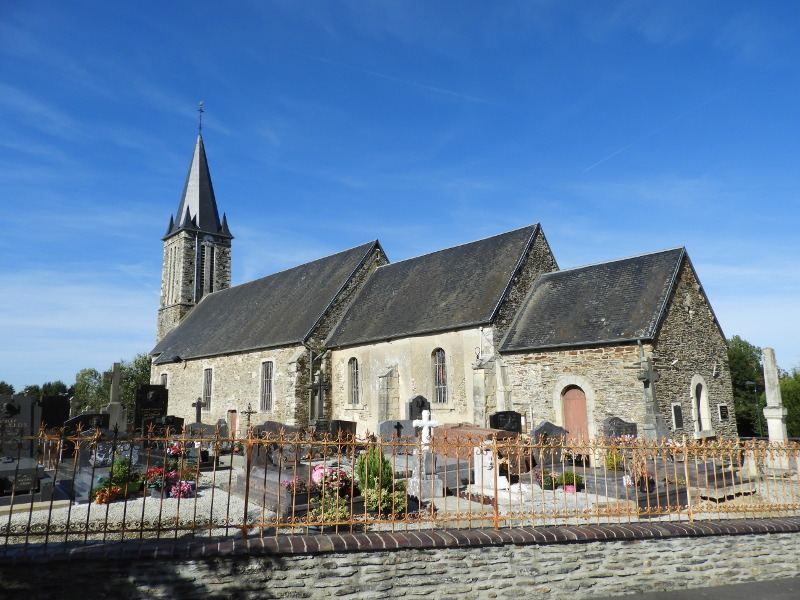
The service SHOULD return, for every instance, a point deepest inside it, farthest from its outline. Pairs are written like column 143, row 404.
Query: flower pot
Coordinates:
column 549, row 485
column 156, row 492
column 569, row 488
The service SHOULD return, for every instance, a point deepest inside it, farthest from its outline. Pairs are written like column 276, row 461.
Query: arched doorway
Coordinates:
column 576, row 421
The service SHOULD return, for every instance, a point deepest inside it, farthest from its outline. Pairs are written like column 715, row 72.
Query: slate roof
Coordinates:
column 277, row 310
column 618, row 301
column 449, row 289
column 198, row 208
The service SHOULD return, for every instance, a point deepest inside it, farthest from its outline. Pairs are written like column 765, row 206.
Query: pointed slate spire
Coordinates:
column 198, row 207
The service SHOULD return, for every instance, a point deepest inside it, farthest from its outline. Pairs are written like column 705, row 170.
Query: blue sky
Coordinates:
column 622, row 127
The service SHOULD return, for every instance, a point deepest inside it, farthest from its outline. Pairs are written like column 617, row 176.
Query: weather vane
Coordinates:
column 200, row 122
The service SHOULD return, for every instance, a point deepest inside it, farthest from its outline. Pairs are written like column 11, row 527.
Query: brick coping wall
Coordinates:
column 287, row 545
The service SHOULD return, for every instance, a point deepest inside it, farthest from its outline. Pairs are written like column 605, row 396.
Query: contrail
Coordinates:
column 398, row 80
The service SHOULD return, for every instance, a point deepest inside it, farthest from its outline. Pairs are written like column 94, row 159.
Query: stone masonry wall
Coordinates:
column 691, row 344
column 237, row 382
column 575, row 563
column 606, row 375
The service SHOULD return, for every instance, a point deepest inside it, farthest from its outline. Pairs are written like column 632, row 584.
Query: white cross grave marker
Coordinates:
column 427, row 425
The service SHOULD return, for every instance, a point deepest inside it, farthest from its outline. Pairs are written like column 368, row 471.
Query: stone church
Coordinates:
column 488, row 326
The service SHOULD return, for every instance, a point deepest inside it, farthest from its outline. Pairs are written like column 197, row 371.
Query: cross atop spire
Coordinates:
column 200, row 118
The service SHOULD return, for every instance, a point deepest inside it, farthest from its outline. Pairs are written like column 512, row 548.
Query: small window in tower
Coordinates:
column 355, row 397
column 677, row 416
column 724, row 415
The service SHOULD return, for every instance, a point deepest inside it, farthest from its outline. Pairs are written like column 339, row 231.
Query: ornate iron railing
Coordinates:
column 90, row 487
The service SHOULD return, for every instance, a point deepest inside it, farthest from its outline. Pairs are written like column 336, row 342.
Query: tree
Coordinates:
column 56, row 388
column 745, row 364
column 90, row 391
column 93, row 391
column 137, row 373
column 790, row 395
column 6, row 388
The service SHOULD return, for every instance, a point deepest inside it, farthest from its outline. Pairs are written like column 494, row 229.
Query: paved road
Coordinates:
column 779, row 589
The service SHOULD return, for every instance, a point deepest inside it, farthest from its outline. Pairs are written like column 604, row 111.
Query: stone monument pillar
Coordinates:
column 117, row 413
column 774, row 412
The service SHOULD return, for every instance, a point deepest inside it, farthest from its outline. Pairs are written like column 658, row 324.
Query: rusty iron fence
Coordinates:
column 89, row 487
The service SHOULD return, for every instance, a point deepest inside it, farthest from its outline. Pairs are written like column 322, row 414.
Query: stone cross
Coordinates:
column 318, row 387
column 248, row 413
column 116, row 375
column 655, row 427
column 427, row 425
column 198, row 406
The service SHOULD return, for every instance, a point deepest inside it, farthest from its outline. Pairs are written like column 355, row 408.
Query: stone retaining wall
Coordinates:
column 554, row 562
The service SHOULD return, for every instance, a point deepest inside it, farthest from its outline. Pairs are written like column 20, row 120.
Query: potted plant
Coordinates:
column 238, row 448
column 299, row 491
column 545, row 478
column 571, row 481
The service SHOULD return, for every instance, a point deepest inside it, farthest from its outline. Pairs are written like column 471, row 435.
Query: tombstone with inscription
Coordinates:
column 507, row 420
column 551, row 437
column 614, row 427
column 19, row 422
column 150, row 402
column 415, row 406
column 162, row 426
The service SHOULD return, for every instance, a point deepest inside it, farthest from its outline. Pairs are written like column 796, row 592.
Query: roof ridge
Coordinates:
column 483, row 239
column 615, row 260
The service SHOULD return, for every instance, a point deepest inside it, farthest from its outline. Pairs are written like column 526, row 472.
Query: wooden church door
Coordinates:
column 576, row 421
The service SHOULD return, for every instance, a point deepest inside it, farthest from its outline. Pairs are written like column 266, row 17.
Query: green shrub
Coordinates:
column 613, row 461
column 374, row 470
column 386, row 501
column 569, row 478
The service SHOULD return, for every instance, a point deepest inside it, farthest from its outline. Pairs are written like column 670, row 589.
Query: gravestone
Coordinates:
column 487, row 477
column 204, row 450
column 162, row 426
column 400, row 430
column 507, row 420
column 55, row 410
column 19, row 422
column 24, row 479
column 335, row 428
column 425, row 484
column 85, row 422
column 552, row 437
column 415, row 406
column 614, row 427
column 150, row 402
column 282, row 444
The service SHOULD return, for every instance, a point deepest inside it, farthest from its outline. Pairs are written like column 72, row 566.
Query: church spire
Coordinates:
column 197, row 210
column 197, row 247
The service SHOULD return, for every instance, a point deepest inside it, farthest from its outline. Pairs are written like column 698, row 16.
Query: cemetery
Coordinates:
column 162, row 476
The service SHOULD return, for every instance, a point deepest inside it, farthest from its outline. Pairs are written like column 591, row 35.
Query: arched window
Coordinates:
column 355, row 395
column 439, row 376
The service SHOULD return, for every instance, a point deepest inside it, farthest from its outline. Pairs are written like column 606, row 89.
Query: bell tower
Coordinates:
column 197, row 247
